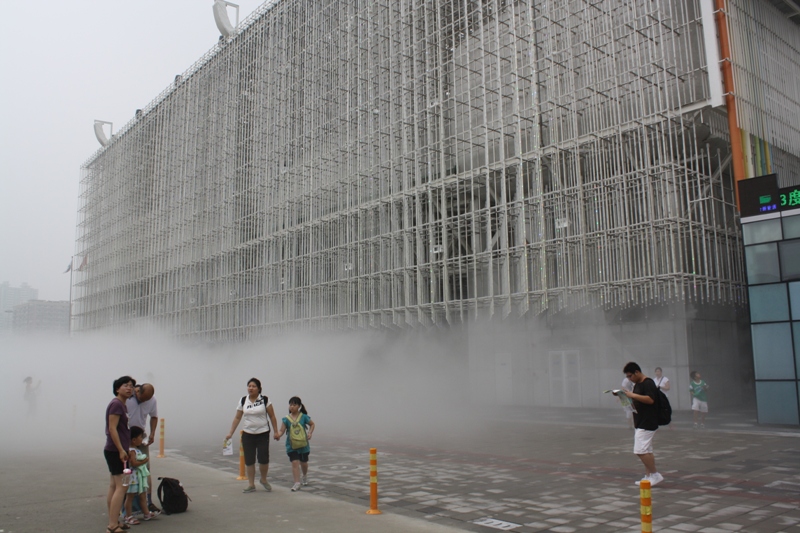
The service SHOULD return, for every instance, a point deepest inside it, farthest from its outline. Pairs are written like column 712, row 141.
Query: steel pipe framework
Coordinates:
column 384, row 163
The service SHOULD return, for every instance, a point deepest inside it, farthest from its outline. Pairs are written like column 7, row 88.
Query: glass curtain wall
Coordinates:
column 772, row 252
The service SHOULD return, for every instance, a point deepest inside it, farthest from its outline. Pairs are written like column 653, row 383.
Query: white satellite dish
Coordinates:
column 221, row 17
column 100, row 134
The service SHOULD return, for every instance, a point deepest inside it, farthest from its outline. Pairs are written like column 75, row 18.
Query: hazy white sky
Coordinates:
column 65, row 64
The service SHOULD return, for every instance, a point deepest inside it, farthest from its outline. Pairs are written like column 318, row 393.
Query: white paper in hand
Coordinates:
column 227, row 447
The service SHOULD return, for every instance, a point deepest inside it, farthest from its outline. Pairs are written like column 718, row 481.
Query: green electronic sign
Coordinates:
column 759, row 195
column 789, row 198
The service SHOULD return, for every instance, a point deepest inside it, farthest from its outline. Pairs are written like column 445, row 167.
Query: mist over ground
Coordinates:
column 370, row 384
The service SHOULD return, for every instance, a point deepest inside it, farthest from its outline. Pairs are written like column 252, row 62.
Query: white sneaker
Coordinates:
column 645, row 478
column 655, row 479
column 296, row 487
column 304, row 480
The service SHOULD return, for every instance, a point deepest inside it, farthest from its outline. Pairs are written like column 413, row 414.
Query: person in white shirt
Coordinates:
column 628, row 386
column 257, row 412
column 662, row 381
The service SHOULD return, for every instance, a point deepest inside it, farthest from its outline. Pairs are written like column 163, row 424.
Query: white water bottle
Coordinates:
column 126, row 475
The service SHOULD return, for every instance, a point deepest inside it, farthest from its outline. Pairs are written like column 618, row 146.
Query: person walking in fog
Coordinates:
column 141, row 405
column 30, row 394
column 661, row 381
column 118, row 442
column 645, row 420
column 699, row 398
column 627, row 385
column 299, row 427
column 257, row 412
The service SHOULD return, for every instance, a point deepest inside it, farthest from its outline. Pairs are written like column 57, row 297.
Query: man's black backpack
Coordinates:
column 172, row 496
column 664, row 408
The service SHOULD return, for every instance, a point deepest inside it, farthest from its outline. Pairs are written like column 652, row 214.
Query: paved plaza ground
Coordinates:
column 518, row 469
column 564, row 470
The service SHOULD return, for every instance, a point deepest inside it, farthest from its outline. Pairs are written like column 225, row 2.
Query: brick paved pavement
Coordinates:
column 562, row 471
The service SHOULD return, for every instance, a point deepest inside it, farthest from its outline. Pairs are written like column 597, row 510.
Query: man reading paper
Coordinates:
column 645, row 420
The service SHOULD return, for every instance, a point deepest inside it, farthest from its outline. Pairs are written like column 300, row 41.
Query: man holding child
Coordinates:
column 141, row 405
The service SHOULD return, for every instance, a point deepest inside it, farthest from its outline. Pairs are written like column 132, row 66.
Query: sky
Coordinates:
column 65, row 65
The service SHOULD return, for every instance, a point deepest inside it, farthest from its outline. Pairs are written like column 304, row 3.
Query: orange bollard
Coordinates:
column 241, row 458
column 161, row 441
column 646, row 504
column 373, row 481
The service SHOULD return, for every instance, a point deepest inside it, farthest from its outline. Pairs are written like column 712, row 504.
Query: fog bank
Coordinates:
column 370, row 382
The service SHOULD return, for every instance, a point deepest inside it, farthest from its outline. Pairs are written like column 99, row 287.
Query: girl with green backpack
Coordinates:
column 299, row 427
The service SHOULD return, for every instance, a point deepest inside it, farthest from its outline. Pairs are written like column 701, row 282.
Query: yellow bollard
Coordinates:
column 161, row 441
column 646, row 503
column 373, row 481
column 241, row 458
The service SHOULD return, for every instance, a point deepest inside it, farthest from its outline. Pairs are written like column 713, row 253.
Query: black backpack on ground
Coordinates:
column 172, row 496
column 664, row 408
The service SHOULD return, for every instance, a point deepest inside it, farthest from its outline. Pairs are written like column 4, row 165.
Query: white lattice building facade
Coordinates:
column 399, row 164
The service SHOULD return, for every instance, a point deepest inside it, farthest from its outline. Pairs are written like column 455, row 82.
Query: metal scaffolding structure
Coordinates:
column 382, row 163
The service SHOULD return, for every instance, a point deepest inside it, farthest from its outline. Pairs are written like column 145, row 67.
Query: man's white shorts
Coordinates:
column 643, row 441
column 697, row 405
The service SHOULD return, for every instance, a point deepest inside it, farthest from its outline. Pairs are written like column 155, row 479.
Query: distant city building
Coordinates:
column 10, row 297
column 41, row 316
column 562, row 170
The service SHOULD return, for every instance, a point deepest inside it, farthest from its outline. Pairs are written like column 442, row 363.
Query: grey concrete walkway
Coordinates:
column 65, row 492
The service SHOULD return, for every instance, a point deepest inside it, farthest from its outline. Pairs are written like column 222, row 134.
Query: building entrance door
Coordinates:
column 503, row 378
column 565, row 379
